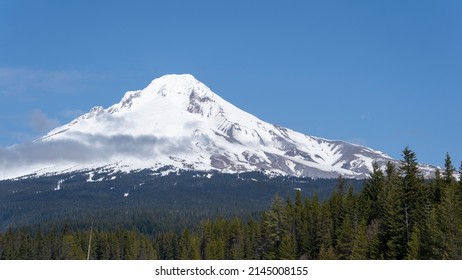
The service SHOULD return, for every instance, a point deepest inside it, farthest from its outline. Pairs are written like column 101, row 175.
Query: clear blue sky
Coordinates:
column 385, row 74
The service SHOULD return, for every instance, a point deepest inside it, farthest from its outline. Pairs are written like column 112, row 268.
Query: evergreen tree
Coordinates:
column 236, row 240
column 393, row 232
column 345, row 236
column 70, row 248
column 412, row 202
column 184, row 246
column 315, row 226
column 215, row 249
column 275, row 224
column 374, row 243
column 300, row 228
column 327, row 253
column 449, row 217
column 371, row 193
column 336, row 212
column 449, row 170
column 415, row 245
column 286, row 250
column 253, row 248
column 360, row 246
column 437, row 187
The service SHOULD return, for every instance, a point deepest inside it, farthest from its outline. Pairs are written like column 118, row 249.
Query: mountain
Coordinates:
column 179, row 123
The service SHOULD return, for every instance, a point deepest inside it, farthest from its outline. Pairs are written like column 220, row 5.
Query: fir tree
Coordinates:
column 415, row 245
column 393, row 233
column 300, row 228
column 70, row 248
column 449, row 216
column 286, row 250
column 449, row 170
column 275, row 223
column 373, row 188
column 360, row 246
column 345, row 236
column 412, row 202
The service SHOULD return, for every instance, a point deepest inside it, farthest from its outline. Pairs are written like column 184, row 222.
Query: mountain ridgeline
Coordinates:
column 177, row 121
column 174, row 171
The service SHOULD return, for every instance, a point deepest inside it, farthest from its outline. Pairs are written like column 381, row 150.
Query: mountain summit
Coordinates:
column 179, row 122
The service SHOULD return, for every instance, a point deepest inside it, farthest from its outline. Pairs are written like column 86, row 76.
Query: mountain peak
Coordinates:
column 178, row 121
column 174, row 79
column 172, row 84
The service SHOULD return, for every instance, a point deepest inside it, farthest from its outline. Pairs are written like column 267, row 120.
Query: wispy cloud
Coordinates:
column 19, row 81
column 89, row 149
column 40, row 122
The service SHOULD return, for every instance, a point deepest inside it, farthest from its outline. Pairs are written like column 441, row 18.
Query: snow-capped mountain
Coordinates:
column 178, row 121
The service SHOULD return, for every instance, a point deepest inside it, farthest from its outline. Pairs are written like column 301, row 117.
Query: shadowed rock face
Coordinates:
column 178, row 121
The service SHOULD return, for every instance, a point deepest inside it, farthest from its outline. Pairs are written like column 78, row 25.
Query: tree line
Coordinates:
column 397, row 215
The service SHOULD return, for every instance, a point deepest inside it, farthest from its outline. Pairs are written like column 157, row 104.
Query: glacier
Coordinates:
column 178, row 121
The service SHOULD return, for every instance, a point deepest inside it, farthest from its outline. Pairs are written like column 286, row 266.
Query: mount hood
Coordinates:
column 178, row 122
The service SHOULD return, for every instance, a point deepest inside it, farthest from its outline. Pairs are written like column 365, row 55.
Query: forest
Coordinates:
column 396, row 215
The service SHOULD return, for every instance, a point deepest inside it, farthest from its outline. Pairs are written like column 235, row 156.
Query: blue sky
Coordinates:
column 385, row 74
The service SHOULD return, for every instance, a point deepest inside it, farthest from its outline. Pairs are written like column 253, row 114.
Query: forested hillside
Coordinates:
column 397, row 215
column 144, row 199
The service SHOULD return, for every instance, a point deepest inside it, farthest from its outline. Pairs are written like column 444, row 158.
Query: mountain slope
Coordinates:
column 178, row 121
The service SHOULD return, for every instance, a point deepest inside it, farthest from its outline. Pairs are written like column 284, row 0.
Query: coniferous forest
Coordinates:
column 397, row 215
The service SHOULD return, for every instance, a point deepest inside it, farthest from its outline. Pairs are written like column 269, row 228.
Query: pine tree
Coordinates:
column 102, row 244
column 449, row 170
column 10, row 251
column 184, row 246
column 327, row 253
column 146, row 250
column 412, row 200
column 235, row 240
column 360, row 246
column 374, row 243
column 286, row 250
column 275, row 224
column 300, row 229
column 415, row 245
column 215, row 249
column 195, row 248
column 449, row 215
column 437, row 187
column 371, row 193
column 313, row 227
column 253, row 248
column 434, row 243
column 337, row 213
column 345, row 236
column 393, row 231
column 70, row 248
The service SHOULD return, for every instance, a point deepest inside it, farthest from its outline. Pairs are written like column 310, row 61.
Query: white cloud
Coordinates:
column 20, row 159
column 18, row 81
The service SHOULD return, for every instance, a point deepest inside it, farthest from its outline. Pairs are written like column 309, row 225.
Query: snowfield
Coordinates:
column 178, row 121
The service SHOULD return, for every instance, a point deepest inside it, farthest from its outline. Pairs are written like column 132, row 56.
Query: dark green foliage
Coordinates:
column 397, row 215
column 155, row 203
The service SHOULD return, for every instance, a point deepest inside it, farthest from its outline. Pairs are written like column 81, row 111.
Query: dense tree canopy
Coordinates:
column 397, row 215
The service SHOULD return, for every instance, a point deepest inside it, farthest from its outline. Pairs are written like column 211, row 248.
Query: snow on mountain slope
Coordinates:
column 178, row 121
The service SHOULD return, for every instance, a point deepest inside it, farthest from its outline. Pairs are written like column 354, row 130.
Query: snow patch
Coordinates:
column 177, row 121
column 90, row 178
column 58, row 185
